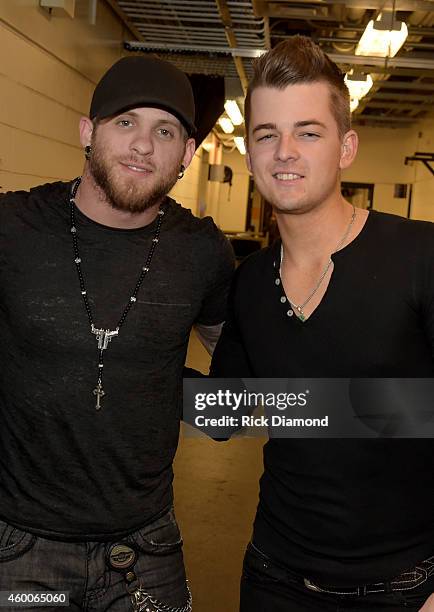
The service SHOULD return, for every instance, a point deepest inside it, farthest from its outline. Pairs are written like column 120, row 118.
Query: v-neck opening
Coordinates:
column 290, row 306
column 277, row 260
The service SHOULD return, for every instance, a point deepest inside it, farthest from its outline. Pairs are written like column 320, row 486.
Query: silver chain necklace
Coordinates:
column 300, row 307
column 104, row 336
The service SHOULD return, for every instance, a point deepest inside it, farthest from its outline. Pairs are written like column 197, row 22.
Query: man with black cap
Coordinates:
column 102, row 279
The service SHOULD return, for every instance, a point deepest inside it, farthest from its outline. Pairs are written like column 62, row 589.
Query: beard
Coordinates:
column 129, row 195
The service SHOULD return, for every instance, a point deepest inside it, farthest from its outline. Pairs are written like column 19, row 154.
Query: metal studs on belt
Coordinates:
column 121, row 557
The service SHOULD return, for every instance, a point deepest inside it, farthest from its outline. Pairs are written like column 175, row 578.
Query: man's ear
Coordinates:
column 190, row 148
column 350, row 144
column 248, row 161
column 86, row 129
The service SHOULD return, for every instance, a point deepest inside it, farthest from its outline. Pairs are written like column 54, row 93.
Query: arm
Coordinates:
column 230, row 358
column 218, row 274
column 229, row 361
column 425, row 281
column 208, row 335
column 430, row 293
column 428, row 606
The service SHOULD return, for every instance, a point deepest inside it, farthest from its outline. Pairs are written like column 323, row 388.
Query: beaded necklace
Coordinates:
column 105, row 336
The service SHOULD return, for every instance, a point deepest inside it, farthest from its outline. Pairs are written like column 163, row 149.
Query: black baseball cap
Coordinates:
column 139, row 80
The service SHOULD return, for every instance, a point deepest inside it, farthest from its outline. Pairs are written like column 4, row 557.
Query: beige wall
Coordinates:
column 232, row 202
column 385, row 201
column 423, row 191
column 186, row 190
column 227, row 205
column 48, row 69
column 380, row 161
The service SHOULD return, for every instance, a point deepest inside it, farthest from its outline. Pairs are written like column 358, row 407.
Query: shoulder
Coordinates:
column 401, row 226
column 255, row 275
column 190, row 224
column 400, row 239
column 202, row 233
column 13, row 202
column 253, row 267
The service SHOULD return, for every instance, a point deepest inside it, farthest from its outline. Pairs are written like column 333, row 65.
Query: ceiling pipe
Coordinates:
column 355, row 15
column 226, row 18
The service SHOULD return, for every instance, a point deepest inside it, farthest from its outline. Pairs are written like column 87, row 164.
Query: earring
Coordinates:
column 87, row 151
column 181, row 173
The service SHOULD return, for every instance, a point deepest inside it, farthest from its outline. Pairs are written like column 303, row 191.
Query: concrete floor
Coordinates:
column 216, row 492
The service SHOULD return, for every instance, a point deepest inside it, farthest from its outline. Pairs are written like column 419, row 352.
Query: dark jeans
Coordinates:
column 266, row 587
column 29, row 563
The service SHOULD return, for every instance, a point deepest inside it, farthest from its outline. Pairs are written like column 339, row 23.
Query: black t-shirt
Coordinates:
column 343, row 511
column 66, row 470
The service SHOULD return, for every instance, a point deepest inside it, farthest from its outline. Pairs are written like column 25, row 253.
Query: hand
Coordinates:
column 428, row 606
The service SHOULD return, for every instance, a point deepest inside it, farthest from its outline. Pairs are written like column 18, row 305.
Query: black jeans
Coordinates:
column 29, row 564
column 266, row 587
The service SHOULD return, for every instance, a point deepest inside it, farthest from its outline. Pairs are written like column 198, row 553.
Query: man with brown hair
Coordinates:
column 341, row 524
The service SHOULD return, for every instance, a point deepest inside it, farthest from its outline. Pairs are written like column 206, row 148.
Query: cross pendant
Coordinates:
column 99, row 392
column 104, row 336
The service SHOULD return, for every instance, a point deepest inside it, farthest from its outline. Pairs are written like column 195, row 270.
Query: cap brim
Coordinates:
column 112, row 108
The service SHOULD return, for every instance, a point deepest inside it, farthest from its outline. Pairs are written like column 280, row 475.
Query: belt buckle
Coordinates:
column 334, row 590
column 121, row 557
column 311, row 586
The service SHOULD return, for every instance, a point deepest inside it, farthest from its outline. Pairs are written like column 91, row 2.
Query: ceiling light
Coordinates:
column 226, row 125
column 358, row 84
column 383, row 37
column 354, row 103
column 239, row 143
column 232, row 109
column 208, row 145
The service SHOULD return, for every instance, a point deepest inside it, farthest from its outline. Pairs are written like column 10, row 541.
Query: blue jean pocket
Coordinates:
column 161, row 537
column 14, row 542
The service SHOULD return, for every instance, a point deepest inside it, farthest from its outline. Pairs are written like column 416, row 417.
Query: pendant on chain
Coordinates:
column 300, row 314
column 105, row 336
column 99, row 392
column 318, row 284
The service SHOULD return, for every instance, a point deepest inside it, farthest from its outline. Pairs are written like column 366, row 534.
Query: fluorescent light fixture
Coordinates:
column 232, row 109
column 226, row 125
column 354, row 103
column 383, row 37
column 207, row 145
column 358, row 85
column 239, row 143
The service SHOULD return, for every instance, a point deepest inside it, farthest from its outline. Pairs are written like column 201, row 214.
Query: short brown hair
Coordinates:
column 299, row 60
